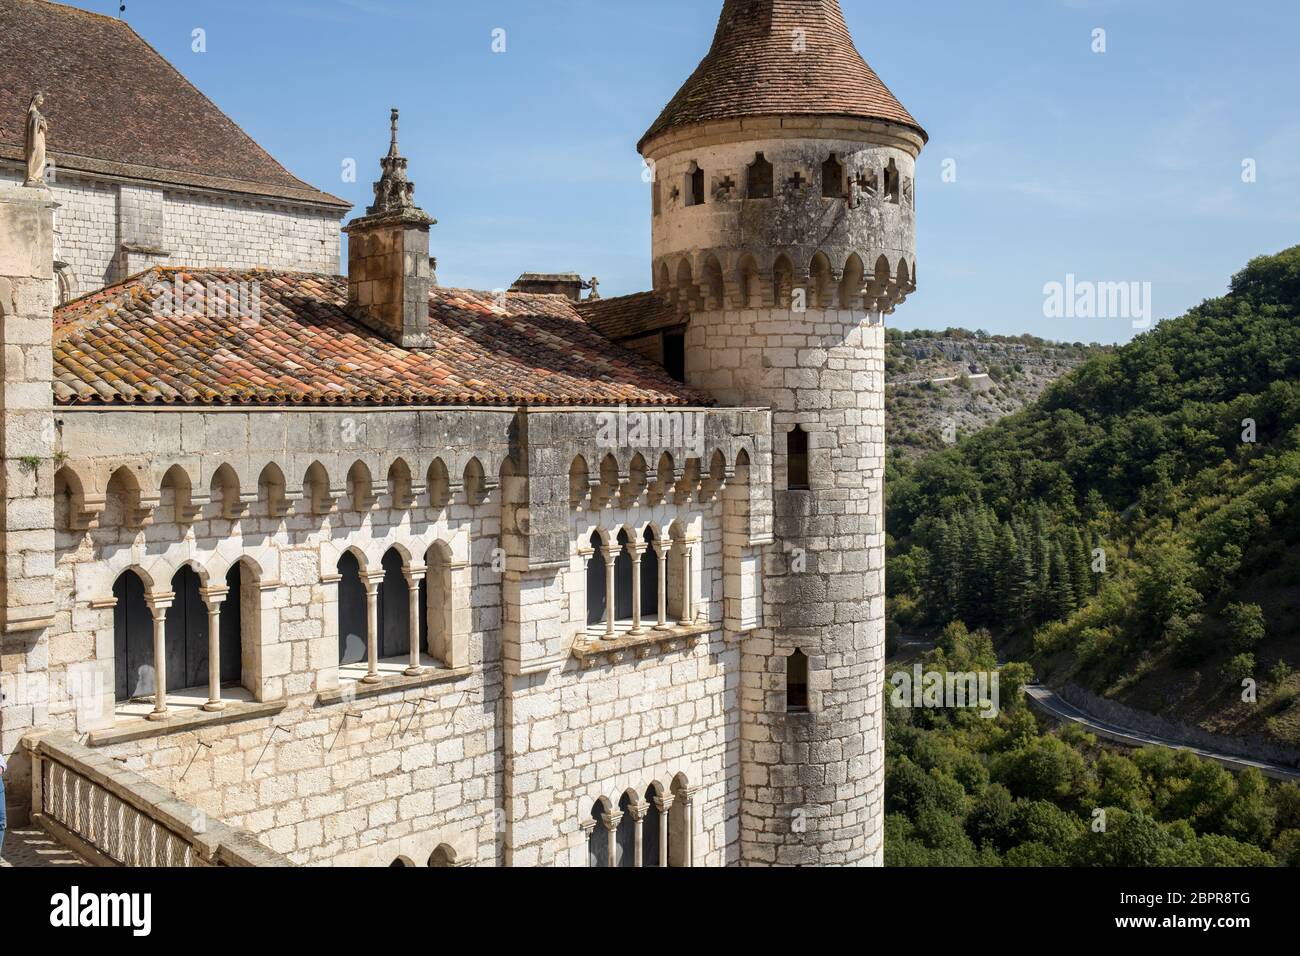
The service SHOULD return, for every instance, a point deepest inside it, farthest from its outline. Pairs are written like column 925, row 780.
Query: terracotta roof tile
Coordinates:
column 117, row 107
column 298, row 345
column 630, row 316
column 755, row 68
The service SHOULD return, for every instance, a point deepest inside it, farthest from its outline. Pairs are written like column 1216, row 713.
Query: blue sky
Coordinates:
column 1123, row 166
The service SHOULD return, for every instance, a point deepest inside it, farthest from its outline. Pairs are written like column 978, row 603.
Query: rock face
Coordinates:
column 787, row 236
column 942, row 387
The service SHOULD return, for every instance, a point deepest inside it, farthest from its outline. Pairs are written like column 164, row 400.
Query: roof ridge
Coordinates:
column 301, row 344
column 82, row 11
column 102, row 124
column 222, row 113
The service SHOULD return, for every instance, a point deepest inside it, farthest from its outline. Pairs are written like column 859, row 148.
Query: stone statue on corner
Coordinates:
column 34, row 145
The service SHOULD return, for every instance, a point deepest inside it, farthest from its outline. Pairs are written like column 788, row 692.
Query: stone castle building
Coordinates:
column 300, row 568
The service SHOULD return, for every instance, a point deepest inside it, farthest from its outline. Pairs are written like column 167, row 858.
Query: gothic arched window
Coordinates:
column 394, row 608
column 623, row 579
column 353, row 626
column 625, row 835
column 596, row 596
column 598, row 837
column 232, row 623
column 649, row 578
column 650, row 827
column 187, row 633
column 132, row 639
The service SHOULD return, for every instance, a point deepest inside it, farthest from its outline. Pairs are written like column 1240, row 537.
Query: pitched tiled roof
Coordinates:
column 755, row 68
column 116, row 107
column 295, row 343
column 630, row 316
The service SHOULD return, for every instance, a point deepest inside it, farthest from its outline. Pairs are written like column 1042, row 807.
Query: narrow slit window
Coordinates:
column 697, row 187
column 675, row 356
column 796, row 452
column 892, row 187
column 759, row 179
column 796, row 683
column 832, row 178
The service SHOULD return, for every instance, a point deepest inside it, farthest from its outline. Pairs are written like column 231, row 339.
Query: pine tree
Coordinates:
column 1007, row 559
column 1061, row 600
column 1081, row 567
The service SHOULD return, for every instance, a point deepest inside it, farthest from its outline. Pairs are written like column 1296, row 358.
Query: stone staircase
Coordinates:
column 32, row 846
column 89, row 809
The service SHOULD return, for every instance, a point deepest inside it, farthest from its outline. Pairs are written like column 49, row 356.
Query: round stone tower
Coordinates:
column 784, row 226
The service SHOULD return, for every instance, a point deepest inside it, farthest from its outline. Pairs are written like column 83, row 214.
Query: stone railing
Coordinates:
column 112, row 816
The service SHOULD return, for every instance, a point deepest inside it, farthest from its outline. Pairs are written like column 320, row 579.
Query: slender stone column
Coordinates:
column 663, row 804
column 158, row 607
column 373, row 581
column 214, row 598
column 638, row 814
column 611, row 821
column 610, row 557
column 636, row 549
column 686, row 796
column 661, row 553
column 688, row 596
column 413, row 579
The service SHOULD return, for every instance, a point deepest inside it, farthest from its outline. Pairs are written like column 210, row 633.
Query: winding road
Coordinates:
column 1051, row 703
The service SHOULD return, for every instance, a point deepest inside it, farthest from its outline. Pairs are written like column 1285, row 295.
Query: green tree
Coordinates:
column 1044, row 769
column 1246, row 627
column 1130, row 839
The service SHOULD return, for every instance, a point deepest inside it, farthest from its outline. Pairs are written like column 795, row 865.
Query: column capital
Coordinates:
column 213, row 597
column 160, row 601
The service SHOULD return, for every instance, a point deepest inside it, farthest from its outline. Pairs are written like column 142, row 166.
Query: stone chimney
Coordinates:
column 567, row 284
column 389, row 270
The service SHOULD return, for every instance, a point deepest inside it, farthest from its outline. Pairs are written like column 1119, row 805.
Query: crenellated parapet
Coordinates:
column 785, row 213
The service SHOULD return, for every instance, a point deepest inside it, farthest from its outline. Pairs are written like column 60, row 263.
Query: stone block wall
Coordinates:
column 27, row 553
column 812, row 789
column 496, row 759
column 107, row 231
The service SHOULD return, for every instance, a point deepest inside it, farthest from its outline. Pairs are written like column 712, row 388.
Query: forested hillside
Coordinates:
column 963, row 790
column 1140, row 522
